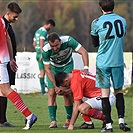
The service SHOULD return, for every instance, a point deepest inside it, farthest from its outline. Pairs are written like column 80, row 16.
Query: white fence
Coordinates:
column 27, row 76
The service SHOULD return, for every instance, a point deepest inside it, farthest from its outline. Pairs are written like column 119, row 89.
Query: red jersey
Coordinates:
column 83, row 85
column 4, row 55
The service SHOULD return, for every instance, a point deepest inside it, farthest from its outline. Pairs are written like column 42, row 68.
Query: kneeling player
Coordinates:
column 87, row 97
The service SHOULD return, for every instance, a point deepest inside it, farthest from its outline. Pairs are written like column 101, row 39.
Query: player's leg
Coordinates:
column 14, row 97
column 3, row 106
column 52, row 105
column 42, row 73
column 103, row 82
column 3, row 100
column 91, row 107
column 118, row 81
column 41, row 77
column 68, row 103
column 68, row 99
column 84, row 109
column 88, row 124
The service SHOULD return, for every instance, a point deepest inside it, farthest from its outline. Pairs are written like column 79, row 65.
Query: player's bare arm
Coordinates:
column 13, row 64
column 41, row 46
column 74, row 114
column 51, row 76
column 85, row 58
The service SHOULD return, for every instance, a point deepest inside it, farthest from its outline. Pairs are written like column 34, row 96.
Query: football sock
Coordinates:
column 120, row 105
column 19, row 104
column 69, row 110
column 94, row 113
column 121, row 120
column 42, row 85
column 29, row 117
column 106, row 109
column 3, row 106
column 108, row 125
column 86, row 118
column 52, row 112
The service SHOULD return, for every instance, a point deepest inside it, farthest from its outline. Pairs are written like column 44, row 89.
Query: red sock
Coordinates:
column 94, row 113
column 86, row 118
column 18, row 103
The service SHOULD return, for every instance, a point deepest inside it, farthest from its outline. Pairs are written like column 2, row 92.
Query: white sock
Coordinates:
column 29, row 117
column 90, row 122
column 108, row 125
column 121, row 120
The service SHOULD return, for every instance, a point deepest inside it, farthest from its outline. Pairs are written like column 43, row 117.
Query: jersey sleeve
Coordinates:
column 75, row 45
column 94, row 28
column 2, row 27
column 45, row 55
column 43, row 35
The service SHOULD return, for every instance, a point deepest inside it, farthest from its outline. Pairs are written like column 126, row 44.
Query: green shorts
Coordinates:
column 56, row 70
column 105, row 74
column 40, row 63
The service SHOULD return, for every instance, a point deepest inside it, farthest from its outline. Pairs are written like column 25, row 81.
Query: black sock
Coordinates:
column 106, row 109
column 120, row 105
column 3, row 106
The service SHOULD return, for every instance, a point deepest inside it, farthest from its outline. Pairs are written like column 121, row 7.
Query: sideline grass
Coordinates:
column 38, row 105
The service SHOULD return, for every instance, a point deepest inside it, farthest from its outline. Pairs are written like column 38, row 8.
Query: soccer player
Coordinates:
column 108, row 33
column 57, row 57
column 40, row 39
column 6, row 55
column 11, row 16
column 87, row 97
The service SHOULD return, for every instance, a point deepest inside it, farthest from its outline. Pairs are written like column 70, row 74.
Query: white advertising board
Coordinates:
column 27, row 76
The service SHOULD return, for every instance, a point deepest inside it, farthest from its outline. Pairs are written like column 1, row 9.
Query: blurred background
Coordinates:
column 72, row 17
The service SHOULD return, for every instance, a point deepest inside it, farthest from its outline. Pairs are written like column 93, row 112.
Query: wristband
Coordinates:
column 86, row 67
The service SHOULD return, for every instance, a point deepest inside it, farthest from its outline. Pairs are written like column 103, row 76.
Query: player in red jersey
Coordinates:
column 87, row 97
column 6, row 55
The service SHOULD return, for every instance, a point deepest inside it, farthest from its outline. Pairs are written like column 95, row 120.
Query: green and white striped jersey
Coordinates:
column 41, row 33
column 64, row 56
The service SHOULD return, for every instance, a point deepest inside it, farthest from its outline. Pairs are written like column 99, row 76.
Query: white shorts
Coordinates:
column 96, row 101
column 4, row 78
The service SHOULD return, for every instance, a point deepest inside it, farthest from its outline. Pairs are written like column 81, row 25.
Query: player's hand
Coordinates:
column 57, row 90
column 70, row 127
column 61, row 92
column 85, row 71
column 13, row 65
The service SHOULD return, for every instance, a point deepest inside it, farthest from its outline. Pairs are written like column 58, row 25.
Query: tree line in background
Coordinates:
column 72, row 17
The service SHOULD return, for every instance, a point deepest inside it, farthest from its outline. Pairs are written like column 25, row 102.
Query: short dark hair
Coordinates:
column 53, row 36
column 60, row 77
column 14, row 7
column 50, row 21
column 107, row 5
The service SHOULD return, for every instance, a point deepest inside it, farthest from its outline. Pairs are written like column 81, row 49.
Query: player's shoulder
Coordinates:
column 94, row 22
column 46, row 47
column 2, row 22
column 65, row 38
column 120, row 17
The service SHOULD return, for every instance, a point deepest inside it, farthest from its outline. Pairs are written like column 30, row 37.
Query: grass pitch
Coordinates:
column 38, row 105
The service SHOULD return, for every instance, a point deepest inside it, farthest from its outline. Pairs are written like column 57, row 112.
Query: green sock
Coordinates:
column 52, row 112
column 42, row 85
column 69, row 110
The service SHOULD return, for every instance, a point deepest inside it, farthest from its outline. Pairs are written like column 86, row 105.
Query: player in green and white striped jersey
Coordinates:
column 57, row 57
column 40, row 38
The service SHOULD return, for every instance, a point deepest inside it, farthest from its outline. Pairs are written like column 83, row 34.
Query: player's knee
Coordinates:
column 82, row 109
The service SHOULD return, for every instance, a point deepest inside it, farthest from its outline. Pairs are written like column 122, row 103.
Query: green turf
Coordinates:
column 38, row 105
